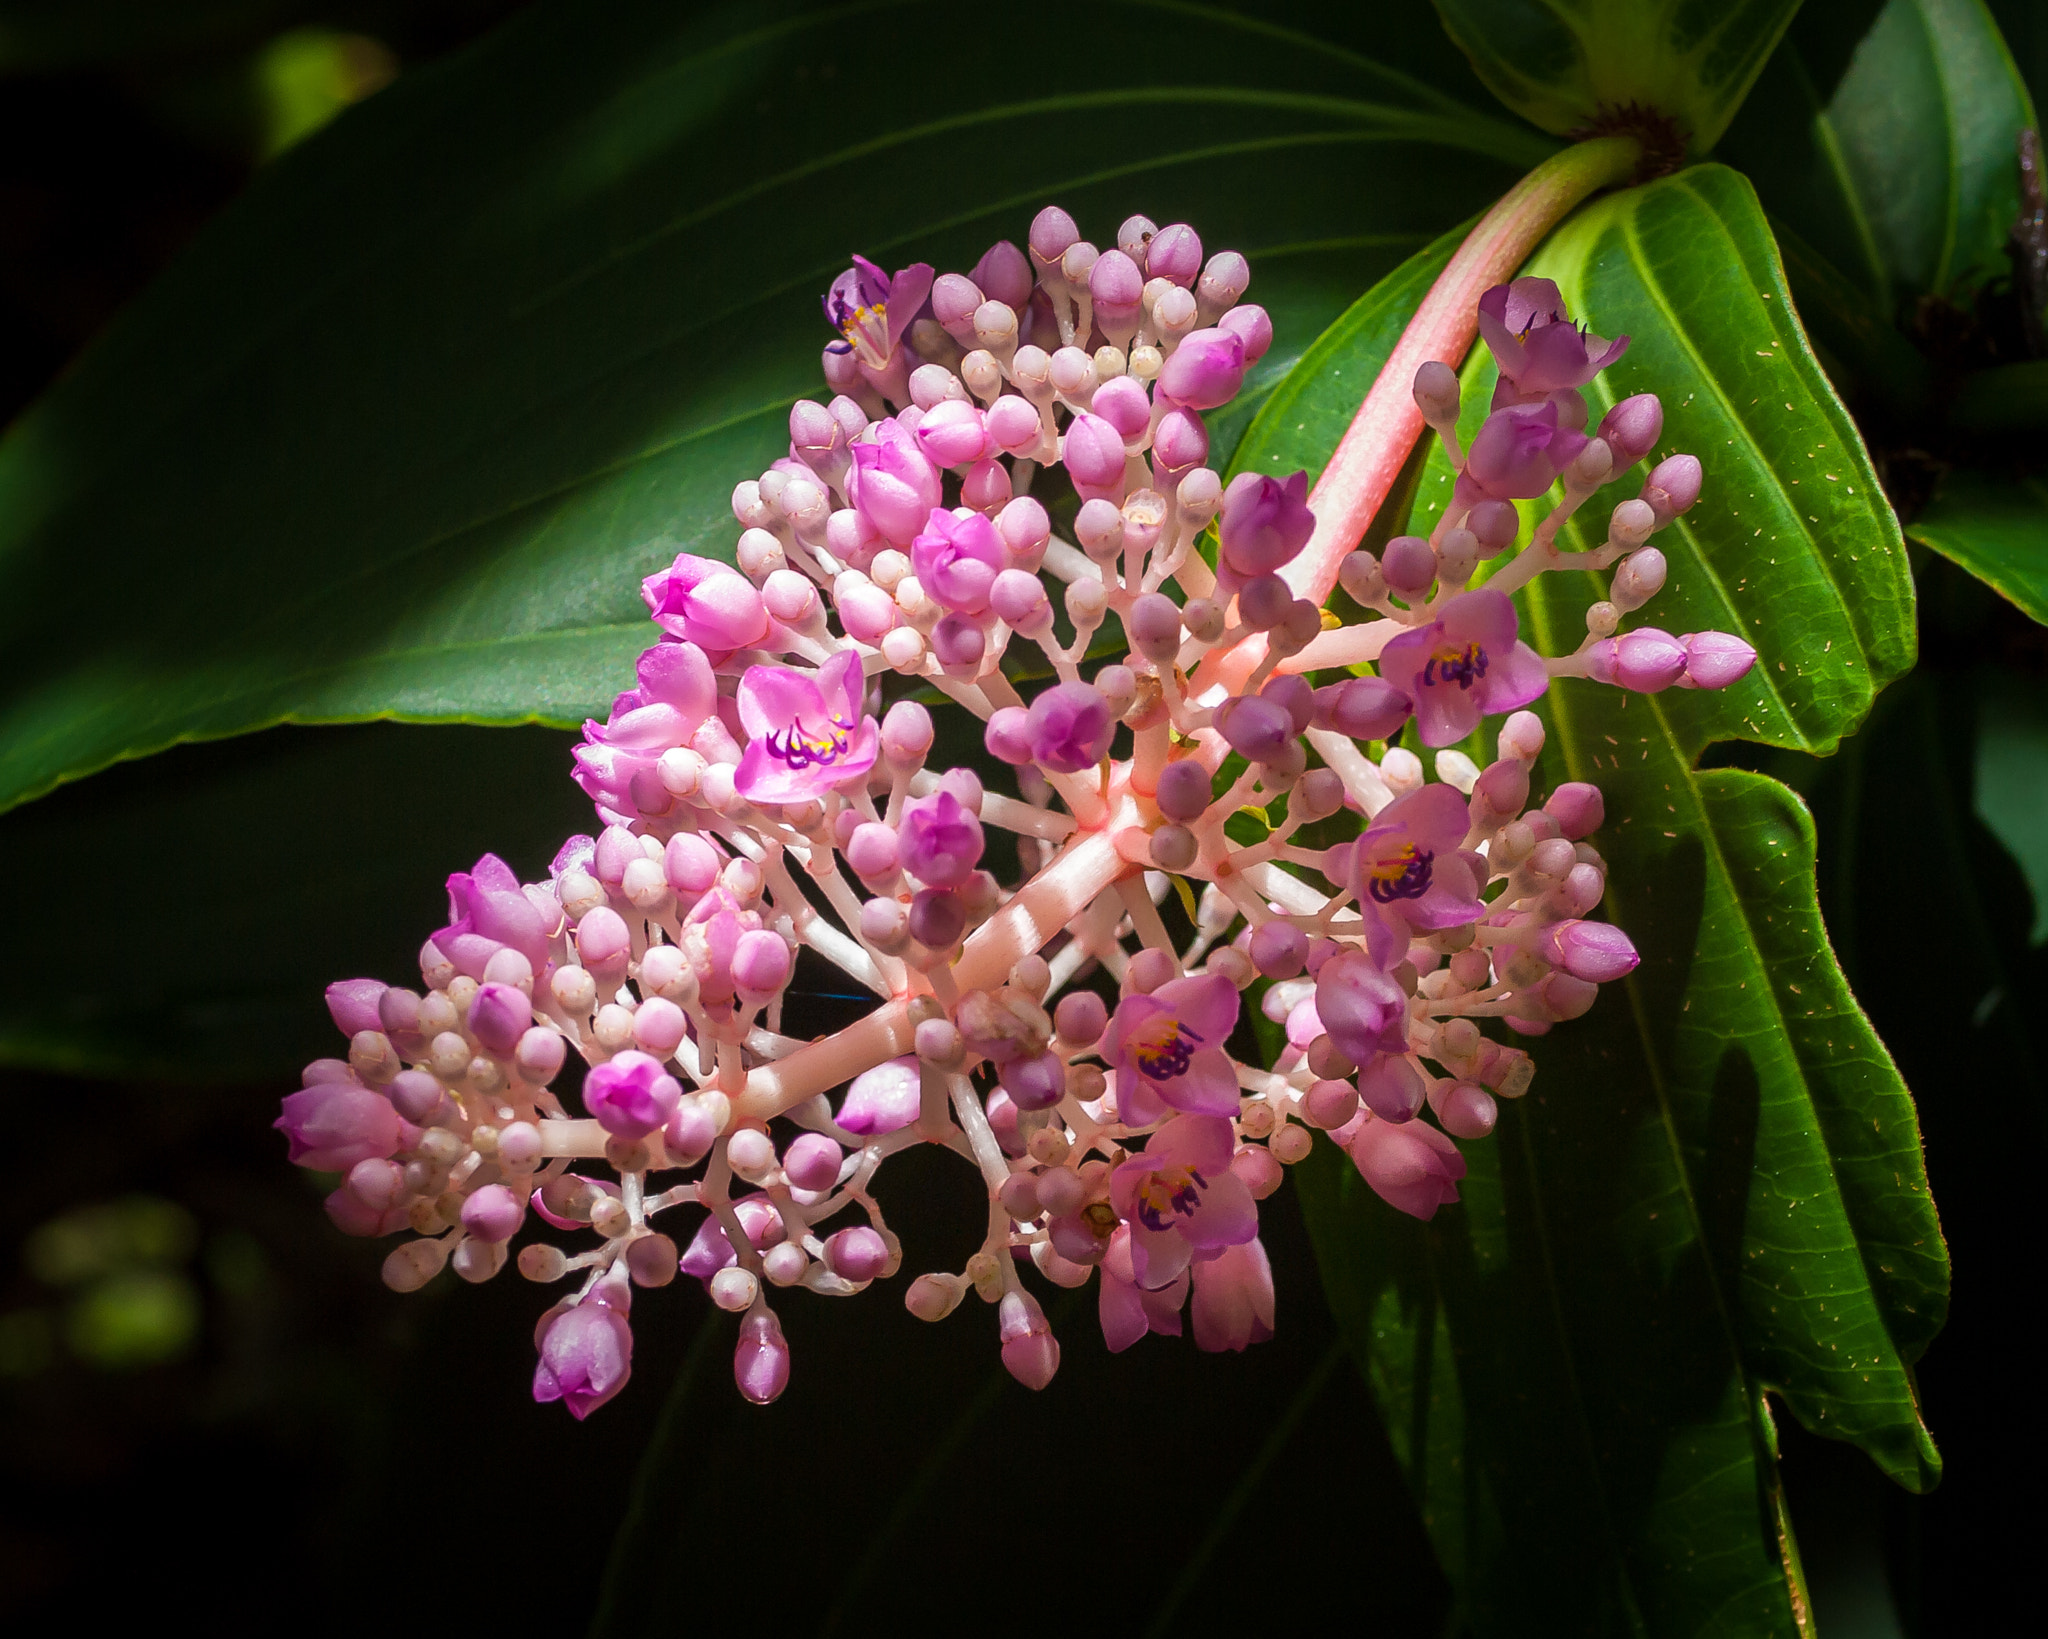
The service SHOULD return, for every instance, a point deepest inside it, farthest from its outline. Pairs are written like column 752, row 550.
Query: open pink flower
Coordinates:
column 1127, row 1310
column 871, row 311
column 807, row 732
column 1180, row 1197
column 1407, row 869
column 488, row 912
column 675, row 705
column 1539, row 350
column 707, row 603
column 1167, row 1050
column 1517, row 454
column 1464, row 665
column 1233, row 1305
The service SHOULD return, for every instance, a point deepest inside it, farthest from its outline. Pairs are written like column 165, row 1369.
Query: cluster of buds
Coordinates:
column 768, row 800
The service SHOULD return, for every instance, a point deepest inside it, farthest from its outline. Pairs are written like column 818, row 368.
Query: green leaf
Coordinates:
column 2005, row 398
column 1997, row 529
column 2012, row 784
column 1714, row 1188
column 216, row 891
column 1896, row 163
column 401, row 434
column 1569, row 65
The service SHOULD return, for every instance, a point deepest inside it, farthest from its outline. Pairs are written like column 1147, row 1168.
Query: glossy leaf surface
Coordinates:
column 1714, row 1187
column 1567, row 64
column 1896, row 160
column 400, row 435
column 1995, row 527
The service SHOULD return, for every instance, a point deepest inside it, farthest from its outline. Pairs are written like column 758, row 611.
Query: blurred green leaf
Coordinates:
column 1567, row 65
column 139, row 1317
column 306, row 77
column 1897, row 164
column 1996, row 528
column 1714, row 1187
column 2007, row 398
column 249, row 877
column 107, row 1237
column 401, row 434
column 2012, row 783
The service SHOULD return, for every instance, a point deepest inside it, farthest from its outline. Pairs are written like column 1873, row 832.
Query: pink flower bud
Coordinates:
column 1004, row 275
column 1175, row 253
column 1121, row 401
column 1411, row 1166
column 1115, row 283
column 1253, row 326
column 1080, row 1018
column 1052, row 234
column 1391, row 1087
column 1257, row 729
column 1018, row 599
column 1673, row 485
column 1408, row 565
column 1093, row 451
column 1013, row 425
column 586, row 1352
column 1363, row 1010
column 603, row 943
column 493, row 1213
column 1279, row 950
column 884, row 1099
column 858, row 1254
column 1185, row 791
column 334, row 1124
column 1578, row 808
column 1035, row 1081
column 954, row 299
column 1597, row 952
column 1632, row 428
column 499, row 1017
column 1713, row 660
column 1068, row 728
column 760, row 1364
column 906, row 733
column 1179, row 445
column 1206, row 370
column 1025, row 530
column 894, row 484
column 631, row 1094
column 956, row 559
column 689, row 1133
column 937, row 918
column 1366, row 708
column 953, row 434
column 760, row 965
column 1645, row 660
column 1030, row 1352
column 353, row 1004
column 939, row 840
column 812, row 1162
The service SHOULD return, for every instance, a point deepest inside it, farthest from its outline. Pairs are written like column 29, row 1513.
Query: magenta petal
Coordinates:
column 1482, row 617
column 1226, row 1215
column 1444, row 716
column 1515, row 675
column 1158, row 1256
column 1199, row 1141
column 1208, row 1088
column 1207, row 1004
column 1433, row 816
column 1122, row 1313
column 907, row 293
column 1138, row 1103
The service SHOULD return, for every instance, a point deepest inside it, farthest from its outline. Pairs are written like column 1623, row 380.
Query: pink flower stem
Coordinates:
column 1369, row 457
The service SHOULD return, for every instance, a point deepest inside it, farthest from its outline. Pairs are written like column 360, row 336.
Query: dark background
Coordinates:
column 209, row 1403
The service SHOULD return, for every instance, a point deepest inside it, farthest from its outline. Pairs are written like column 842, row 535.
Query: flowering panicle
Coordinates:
column 766, row 790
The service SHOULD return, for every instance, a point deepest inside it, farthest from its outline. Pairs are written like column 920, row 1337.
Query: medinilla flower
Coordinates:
column 1055, row 1009
column 1167, row 1050
column 871, row 311
column 806, row 733
column 1180, row 1197
column 1129, row 1311
column 1539, row 350
column 586, row 1352
column 708, row 603
column 1407, row 869
column 1466, row 664
column 1233, row 1306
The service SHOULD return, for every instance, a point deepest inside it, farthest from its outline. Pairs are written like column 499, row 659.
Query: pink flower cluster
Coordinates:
column 768, row 799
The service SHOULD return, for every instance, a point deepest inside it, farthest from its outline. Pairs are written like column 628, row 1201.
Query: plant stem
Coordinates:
column 1368, row 458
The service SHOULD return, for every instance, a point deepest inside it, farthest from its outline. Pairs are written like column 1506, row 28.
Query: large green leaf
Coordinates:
column 227, row 885
column 1569, row 65
column 1896, row 162
column 401, row 434
column 1995, row 527
column 1715, row 1187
